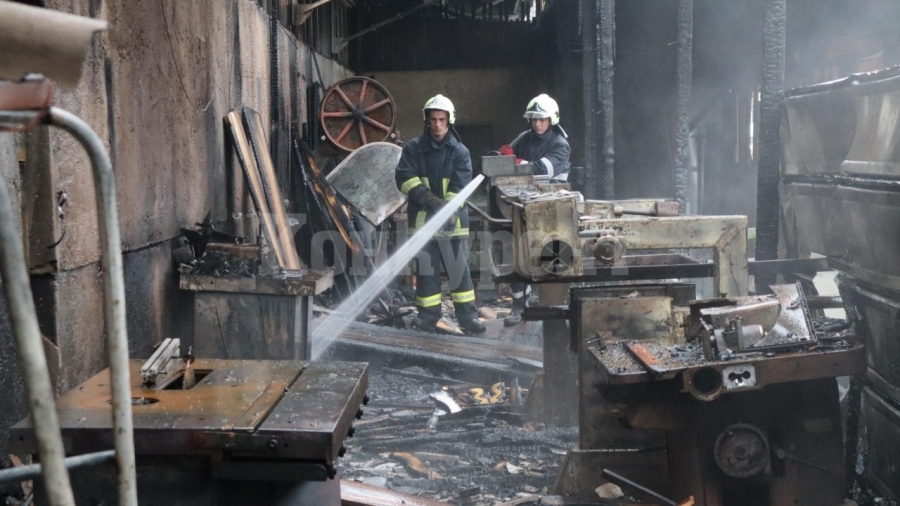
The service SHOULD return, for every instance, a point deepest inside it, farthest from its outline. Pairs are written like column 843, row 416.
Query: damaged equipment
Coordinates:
column 728, row 397
column 247, row 431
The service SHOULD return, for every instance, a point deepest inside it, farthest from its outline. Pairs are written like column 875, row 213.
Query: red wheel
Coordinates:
column 357, row 111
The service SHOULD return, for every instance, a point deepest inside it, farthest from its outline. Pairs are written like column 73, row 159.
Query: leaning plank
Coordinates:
column 248, row 163
column 254, row 126
column 358, row 494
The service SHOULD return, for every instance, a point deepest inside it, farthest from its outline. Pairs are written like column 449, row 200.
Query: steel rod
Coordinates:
column 114, row 297
column 33, row 471
column 32, row 361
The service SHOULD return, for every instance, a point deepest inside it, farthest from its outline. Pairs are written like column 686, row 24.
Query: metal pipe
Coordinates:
column 486, row 216
column 114, row 296
column 684, row 70
column 32, row 471
column 768, row 178
column 824, row 302
column 30, row 352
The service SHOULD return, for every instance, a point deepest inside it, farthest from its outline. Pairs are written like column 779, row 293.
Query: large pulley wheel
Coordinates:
column 357, row 111
column 742, row 451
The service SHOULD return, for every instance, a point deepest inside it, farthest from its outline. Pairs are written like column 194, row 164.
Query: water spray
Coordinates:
column 334, row 324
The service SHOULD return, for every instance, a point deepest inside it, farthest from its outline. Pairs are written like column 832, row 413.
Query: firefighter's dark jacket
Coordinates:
column 443, row 168
column 548, row 152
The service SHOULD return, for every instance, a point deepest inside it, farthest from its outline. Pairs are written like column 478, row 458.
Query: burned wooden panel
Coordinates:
column 882, row 444
column 310, row 283
column 250, row 326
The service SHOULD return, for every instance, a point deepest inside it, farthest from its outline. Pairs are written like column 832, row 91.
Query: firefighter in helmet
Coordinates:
column 546, row 147
column 433, row 168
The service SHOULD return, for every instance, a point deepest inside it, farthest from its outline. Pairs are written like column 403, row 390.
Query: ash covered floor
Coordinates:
column 479, row 455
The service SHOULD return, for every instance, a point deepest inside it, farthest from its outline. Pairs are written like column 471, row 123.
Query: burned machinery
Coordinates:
column 727, row 399
column 211, row 431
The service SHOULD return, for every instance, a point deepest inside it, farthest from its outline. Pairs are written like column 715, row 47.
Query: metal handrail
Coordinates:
column 32, row 361
column 28, row 337
column 114, row 297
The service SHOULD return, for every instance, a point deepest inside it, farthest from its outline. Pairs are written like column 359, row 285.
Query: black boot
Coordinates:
column 516, row 313
column 424, row 323
column 472, row 325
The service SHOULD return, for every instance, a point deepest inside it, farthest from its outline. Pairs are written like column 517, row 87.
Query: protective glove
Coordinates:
column 430, row 202
column 507, row 150
column 450, row 224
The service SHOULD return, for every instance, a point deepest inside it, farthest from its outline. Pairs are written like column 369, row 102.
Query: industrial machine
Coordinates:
column 217, row 432
column 729, row 399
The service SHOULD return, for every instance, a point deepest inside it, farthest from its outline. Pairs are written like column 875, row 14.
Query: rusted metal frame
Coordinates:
column 33, row 471
column 769, row 165
column 782, row 368
column 30, row 351
column 726, row 235
column 114, row 297
column 242, row 394
column 684, row 70
column 337, row 390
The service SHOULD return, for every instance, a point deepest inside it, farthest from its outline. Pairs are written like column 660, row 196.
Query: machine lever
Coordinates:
column 781, row 454
column 641, row 491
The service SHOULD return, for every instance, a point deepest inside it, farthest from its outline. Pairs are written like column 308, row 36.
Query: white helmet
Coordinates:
column 440, row 103
column 542, row 106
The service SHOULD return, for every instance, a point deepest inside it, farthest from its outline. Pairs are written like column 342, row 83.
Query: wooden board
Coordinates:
column 245, row 156
column 254, row 127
